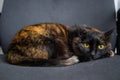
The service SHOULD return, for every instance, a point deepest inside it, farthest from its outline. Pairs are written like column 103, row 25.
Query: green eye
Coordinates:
column 101, row 46
column 86, row 45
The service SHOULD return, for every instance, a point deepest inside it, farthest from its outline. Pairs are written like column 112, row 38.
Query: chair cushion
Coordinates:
column 103, row 69
column 18, row 13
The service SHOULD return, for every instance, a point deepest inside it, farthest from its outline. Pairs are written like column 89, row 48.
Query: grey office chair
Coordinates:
column 18, row 13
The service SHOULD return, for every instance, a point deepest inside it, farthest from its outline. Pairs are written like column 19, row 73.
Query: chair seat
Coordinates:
column 102, row 69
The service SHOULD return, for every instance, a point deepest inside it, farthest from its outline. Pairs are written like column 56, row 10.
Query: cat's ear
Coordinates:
column 73, row 29
column 107, row 34
column 81, row 30
column 78, row 30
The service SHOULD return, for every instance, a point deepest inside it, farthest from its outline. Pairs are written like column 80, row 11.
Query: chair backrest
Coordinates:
column 18, row 13
column 118, row 32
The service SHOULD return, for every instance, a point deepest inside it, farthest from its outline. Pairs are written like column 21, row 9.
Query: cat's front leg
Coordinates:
column 65, row 57
column 70, row 61
column 62, row 49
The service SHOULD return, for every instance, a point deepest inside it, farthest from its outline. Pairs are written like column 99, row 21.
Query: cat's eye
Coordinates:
column 101, row 46
column 86, row 45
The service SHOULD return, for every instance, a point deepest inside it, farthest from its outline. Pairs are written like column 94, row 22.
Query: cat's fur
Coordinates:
column 56, row 44
column 98, row 44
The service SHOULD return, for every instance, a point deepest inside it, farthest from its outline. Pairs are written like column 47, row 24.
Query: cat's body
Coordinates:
column 46, row 42
column 52, row 43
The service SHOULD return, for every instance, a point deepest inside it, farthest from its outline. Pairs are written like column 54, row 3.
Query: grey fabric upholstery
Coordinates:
column 19, row 13
column 104, row 69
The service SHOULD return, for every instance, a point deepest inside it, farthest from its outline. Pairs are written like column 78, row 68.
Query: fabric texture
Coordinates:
column 104, row 69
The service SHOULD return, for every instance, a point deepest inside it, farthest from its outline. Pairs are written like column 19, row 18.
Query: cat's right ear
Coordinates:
column 107, row 34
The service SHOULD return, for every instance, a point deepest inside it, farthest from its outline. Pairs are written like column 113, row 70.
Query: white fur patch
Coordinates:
column 70, row 61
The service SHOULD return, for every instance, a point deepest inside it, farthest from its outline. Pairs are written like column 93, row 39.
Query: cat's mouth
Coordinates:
column 91, row 57
column 95, row 57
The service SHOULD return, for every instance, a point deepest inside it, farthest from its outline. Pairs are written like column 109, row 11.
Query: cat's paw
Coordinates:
column 112, row 53
column 70, row 61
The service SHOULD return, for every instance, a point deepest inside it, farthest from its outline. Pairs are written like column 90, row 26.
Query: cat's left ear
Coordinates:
column 107, row 34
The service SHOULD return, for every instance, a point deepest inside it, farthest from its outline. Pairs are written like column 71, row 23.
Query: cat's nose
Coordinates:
column 93, row 53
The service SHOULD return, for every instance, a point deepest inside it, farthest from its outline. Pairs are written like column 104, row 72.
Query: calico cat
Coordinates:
column 57, row 44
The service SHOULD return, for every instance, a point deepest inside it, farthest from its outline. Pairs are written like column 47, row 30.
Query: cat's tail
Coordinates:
column 17, row 59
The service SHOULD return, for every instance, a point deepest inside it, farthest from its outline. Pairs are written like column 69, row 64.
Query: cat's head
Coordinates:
column 91, row 43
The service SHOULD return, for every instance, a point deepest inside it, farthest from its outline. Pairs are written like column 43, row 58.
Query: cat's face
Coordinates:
column 92, row 43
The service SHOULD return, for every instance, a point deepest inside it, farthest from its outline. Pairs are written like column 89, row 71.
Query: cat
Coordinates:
column 47, row 44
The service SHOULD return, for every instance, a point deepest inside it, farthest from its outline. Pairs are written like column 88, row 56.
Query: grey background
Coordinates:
column 17, row 14
column 117, row 4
